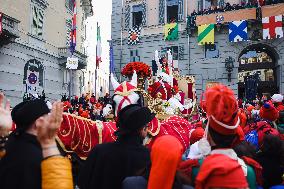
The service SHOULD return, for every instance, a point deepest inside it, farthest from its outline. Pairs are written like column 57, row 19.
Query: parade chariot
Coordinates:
column 166, row 93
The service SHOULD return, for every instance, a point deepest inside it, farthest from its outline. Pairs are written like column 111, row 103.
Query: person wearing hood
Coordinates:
column 109, row 164
column 21, row 166
column 277, row 99
column 165, row 157
column 271, row 158
column 221, row 168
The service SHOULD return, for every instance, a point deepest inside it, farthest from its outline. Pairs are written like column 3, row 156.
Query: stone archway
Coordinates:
column 258, row 73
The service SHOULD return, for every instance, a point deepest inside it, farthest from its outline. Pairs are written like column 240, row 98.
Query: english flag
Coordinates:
column 98, row 47
column 272, row 27
column 73, row 30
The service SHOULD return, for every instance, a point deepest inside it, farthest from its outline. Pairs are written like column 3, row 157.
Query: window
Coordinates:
column 37, row 21
column 70, row 4
column 174, row 51
column 137, row 14
column 134, row 57
column 68, row 32
column 172, row 11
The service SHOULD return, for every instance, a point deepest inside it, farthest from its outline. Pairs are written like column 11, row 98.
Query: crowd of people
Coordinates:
column 87, row 106
column 236, row 145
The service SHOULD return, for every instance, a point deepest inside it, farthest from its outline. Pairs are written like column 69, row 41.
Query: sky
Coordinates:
column 102, row 14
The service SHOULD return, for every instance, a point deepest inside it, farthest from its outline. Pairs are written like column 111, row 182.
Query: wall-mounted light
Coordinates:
column 229, row 64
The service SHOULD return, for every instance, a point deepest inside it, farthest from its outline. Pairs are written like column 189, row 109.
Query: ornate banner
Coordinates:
column 272, row 10
column 229, row 16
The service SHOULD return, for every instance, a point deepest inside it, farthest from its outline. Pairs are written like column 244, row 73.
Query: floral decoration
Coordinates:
column 142, row 69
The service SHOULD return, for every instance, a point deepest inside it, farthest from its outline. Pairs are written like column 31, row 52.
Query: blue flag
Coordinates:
column 238, row 31
column 111, row 60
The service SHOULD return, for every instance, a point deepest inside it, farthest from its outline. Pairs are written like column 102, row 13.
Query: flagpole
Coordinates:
column 121, row 40
column 96, row 63
column 110, row 63
column 72, row 48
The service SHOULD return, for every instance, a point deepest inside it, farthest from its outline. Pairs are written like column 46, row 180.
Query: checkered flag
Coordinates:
column 134, row 35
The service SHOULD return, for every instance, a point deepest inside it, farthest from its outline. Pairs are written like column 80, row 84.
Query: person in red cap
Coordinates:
column 269, row 112
column 277, row 100
column 221, row 168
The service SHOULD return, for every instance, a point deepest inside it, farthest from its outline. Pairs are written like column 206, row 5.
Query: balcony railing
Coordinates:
column 210, row 14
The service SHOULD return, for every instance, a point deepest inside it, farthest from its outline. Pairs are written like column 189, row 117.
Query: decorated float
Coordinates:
column 167, row 94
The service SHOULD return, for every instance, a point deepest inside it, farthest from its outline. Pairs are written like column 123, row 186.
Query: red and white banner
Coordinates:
column 1, row 25
column 98, row 47
column 272, row 27
column 73, row 29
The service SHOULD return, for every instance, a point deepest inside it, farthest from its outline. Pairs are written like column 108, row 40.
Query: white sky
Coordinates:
column 102, row 14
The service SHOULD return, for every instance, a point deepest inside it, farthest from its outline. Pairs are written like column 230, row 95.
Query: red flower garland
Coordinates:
column 142, row 69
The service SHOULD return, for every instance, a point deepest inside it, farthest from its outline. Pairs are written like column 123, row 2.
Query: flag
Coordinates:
column 228, row 16
column 206, row 34
column 272, row 27
column 98, row 47
column 238, row 31
column 111, row 60
column 1, row 26
column 171, row 31
column 73, row 30
column 134, row 35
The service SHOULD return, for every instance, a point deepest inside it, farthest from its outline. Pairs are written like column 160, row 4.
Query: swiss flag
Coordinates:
column 272, row 27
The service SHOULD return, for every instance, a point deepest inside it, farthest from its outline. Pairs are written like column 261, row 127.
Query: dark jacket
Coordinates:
column 20, row 167
column 272, row 171
column 109, row 164
column 140, row 182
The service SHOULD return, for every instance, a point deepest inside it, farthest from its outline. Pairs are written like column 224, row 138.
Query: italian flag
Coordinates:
column 99, row 47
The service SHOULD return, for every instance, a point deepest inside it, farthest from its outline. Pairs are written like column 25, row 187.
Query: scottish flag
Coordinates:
column 238, row 31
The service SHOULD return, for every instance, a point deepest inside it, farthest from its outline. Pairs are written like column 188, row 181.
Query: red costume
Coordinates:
column 161, row 87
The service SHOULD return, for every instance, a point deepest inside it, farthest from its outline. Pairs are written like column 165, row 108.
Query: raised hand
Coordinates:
column 48, row 125
column 5, row 116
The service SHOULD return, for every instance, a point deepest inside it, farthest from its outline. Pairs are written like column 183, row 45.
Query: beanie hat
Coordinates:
column 250, row 108
column 220, row 171
column 222, row 109
column 25, row 113
column 269, row 112
column 277, row 98
column 133, row 117
column 196, row 134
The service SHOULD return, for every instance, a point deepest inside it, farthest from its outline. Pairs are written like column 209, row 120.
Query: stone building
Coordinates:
column 34, row 47
column 206, row 62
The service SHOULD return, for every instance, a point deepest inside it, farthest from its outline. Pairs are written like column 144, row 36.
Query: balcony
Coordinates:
column 64, row 53
column 10, row 30
column 223, row 15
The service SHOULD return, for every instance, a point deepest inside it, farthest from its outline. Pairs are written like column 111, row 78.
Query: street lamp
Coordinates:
column 229, row 64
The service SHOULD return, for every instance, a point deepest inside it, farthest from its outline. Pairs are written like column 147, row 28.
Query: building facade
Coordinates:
column 231, row 63
column 34, row 47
